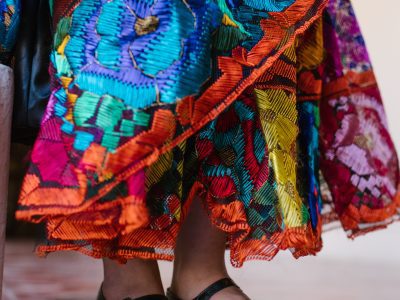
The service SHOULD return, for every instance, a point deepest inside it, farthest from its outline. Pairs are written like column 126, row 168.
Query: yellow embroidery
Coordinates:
column 278, row 115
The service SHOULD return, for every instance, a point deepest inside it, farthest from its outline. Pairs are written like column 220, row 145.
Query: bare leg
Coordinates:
column 6, row 98
column 200, row 257
column 134, row 279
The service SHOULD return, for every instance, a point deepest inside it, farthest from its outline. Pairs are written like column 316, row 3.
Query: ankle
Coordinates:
column 118, row 292
column 135, row 279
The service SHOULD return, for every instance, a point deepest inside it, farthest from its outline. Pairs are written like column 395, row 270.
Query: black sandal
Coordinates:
column 100, row 296
column 210, row 291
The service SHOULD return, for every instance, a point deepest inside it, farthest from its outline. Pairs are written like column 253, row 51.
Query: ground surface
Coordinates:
column 365, row 269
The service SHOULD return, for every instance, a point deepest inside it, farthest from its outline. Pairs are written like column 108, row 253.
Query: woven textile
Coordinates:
column 9, row 21
column 267, row 109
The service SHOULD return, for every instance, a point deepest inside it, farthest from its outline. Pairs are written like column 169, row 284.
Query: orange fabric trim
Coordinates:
column 350, row 83
column 133, row 216
column 353, row 216
column 222, row 88
column 234, row 213
column 184, row 110
column 103, row 222
column 70, row 196
column 93, row 158
column 104, row 239
column 120, row 255
column 163, row 128
column 301, row 241
column 60, row 228
column 310, row 85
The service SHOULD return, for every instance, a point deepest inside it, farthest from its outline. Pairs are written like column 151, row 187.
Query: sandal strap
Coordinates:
column 214, row 288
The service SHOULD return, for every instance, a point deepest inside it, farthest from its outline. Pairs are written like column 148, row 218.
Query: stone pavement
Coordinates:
column 365, row 269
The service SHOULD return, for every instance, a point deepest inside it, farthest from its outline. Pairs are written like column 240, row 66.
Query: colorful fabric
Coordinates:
column 9, row 21
column 267, row 109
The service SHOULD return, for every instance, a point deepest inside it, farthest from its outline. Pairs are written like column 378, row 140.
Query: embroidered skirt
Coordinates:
column 268, row 110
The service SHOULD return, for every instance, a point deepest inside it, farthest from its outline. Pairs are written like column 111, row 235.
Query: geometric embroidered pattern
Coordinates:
column 269, row 110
